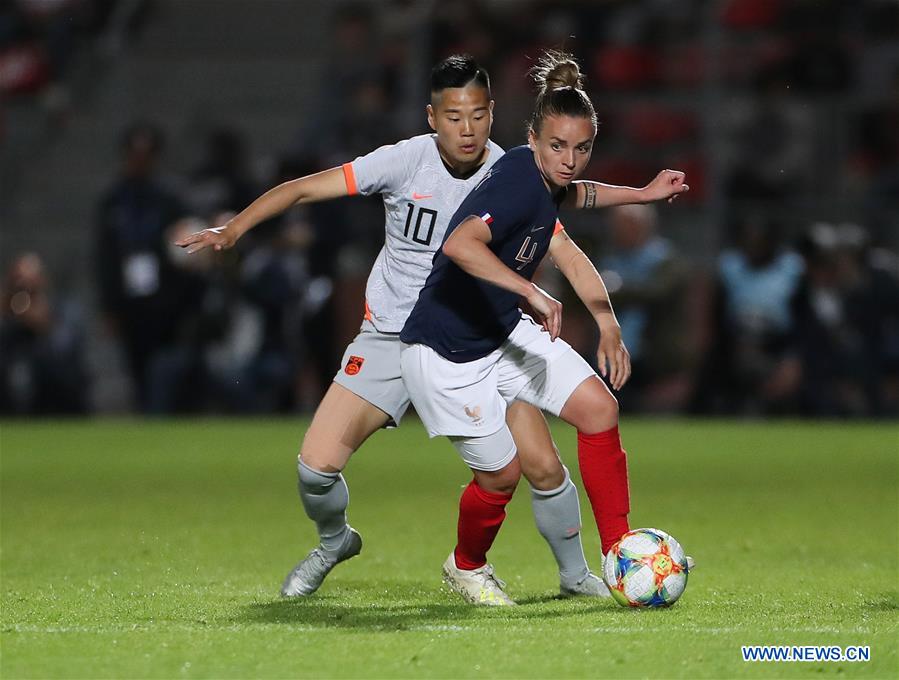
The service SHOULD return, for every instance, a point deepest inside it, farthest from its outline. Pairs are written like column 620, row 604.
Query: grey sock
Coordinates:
column 325, row 497
column 557, row 513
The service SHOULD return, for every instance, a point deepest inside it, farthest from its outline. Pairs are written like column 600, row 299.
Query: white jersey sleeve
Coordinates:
column 420, row 197
column 383, row 170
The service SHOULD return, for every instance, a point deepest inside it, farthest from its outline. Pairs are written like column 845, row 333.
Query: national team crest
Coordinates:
column 353, row 365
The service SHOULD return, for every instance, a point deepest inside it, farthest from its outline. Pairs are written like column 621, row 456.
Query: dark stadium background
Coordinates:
column 139, row 547
column 783, row 113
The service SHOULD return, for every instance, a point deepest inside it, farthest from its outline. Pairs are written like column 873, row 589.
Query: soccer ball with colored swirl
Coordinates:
column 646, row 568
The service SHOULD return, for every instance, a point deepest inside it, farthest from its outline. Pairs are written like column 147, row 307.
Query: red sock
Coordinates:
column 481, row 514
column 603, row 466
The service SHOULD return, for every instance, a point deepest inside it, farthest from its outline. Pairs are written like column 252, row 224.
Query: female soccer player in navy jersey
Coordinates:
column 470, row 350
column 422, row 181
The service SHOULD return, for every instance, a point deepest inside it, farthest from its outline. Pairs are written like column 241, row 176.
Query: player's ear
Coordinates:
column 532, row 139
column 432, row 121
column 491, row 111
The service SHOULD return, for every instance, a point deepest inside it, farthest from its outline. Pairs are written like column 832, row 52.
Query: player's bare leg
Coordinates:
column 554, row 500
column 341, row 424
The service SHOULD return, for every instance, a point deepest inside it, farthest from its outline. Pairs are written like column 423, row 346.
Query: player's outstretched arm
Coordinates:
column 467, row 247
column 321, row 186
column 667, row 185
column 613, row 359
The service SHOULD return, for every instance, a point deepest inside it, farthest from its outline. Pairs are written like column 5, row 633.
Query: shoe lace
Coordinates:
column 315, row 561
column 490, row 578
column 590, row 575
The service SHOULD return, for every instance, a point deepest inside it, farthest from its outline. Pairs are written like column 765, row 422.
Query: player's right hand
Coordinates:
column 547, row 309
column 217, row 238
column 612, row 357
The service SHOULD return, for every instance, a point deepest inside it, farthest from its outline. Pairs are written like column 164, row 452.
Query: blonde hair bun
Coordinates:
column 556, row 70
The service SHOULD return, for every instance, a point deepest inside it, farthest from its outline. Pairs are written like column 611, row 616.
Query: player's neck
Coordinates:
column 462, row 170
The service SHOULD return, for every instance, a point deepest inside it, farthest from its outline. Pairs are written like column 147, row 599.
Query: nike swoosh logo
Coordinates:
column 418, row 197
column 536, row 229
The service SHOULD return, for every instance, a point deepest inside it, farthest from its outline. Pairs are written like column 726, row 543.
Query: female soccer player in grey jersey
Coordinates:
column 422, row 181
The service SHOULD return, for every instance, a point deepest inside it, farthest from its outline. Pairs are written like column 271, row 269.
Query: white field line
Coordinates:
column 450, row 628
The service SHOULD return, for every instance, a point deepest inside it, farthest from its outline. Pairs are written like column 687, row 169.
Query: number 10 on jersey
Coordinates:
column 424, row 224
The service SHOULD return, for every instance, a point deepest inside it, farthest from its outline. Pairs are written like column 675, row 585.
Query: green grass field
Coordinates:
column 156, row 549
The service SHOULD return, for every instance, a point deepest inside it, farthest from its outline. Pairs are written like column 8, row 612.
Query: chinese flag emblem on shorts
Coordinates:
column 353, row 365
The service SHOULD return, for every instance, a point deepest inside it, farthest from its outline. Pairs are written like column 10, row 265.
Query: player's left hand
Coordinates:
column 667, row 185
column 612, row 357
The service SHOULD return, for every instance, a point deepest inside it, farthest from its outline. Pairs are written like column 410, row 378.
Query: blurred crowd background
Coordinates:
column 771, row 288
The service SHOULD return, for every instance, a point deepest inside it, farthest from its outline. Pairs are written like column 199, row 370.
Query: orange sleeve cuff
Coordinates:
column 350, row 178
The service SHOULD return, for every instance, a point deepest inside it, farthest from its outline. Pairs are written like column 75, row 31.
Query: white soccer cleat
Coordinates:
column 589, row 586
column 477, row 586
column 308, row 575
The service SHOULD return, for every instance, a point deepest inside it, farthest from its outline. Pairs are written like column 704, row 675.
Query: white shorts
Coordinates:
column 469, row 399
column 371, row 369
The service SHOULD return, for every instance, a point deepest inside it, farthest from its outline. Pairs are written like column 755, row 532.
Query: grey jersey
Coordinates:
column 420, row 196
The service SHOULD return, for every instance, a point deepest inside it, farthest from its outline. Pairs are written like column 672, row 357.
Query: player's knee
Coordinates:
column 554, row 486
column 601, row 413
column 322, row 455
column 501, row 481
column 506, row 487
column 608, row 408
column 510, row 475
column 546, row 473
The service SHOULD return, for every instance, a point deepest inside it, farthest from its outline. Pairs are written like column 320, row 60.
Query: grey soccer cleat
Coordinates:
column 589, row 586
column 309, row 574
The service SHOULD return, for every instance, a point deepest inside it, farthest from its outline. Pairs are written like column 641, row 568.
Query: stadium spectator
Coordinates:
column 650, row 284
column 275, row 281
column 750, row 369
column 876, row 160
column 361, row 89
column 42, row 364
column 818, row 60
column 779, row 80
column 36, row 41
column 326, row 228
column 178, row 373
column 772, row 135
column 238, row 347
column 138, row 285
column 358, row 83
column 222, row 181
column 41, row 39
column 846, row 333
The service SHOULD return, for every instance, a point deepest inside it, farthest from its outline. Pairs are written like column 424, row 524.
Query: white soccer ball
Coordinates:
column 646, row 568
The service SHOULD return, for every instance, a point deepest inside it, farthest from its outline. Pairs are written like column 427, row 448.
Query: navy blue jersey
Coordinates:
column 462, row 317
